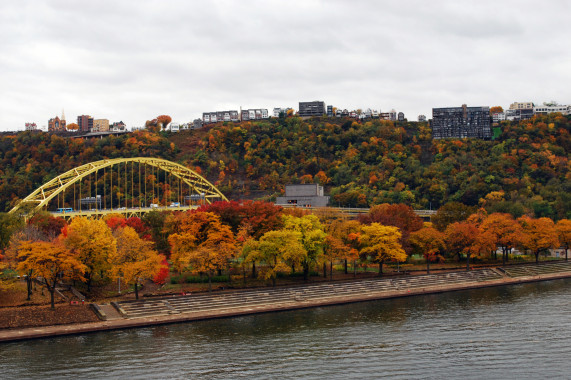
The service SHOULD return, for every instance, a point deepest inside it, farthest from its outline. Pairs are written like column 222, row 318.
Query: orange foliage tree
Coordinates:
column 202, row 243
column 461, row 237
column 504, row 230
column 346, row 232
column 134, row 259
column 51, row 261
column 538, row 235
column 429, row 242
column 563, row 228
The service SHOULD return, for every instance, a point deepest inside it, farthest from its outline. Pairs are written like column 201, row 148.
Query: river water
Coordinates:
column 513, row 332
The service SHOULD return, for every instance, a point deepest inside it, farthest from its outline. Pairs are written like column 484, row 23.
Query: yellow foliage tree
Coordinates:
column 93, row 243
column 381, row 243
column 278, row 250
column 134, row 259
column 51, row 261
column 311, row 237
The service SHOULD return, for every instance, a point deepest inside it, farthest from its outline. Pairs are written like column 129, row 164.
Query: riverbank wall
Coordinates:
column 294, row 304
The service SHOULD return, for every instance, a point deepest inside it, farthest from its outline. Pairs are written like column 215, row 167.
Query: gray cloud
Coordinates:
column 133, row 60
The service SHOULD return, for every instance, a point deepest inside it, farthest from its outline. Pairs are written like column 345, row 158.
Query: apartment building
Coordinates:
column 461, row 122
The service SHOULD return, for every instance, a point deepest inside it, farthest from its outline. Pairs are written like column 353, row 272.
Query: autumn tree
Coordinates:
column 27, row 234
column 461, row 237
column 278, row 250
column 48, row 224
column 563, row 228
column 135, row 259
column 9, row 223
column 311, row 237
column 451, row 212
column 72, row 127
column 202, row 243
column 163, row 121
column 397, row 215
column 504, row 230
column 51, row 261
column 496, row 109
column 429, row 242
column 347, row 232
column 538, row 235
column 93, row 244
column 381, row 243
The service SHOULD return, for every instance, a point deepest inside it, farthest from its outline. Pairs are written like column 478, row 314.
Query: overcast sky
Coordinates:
column 135, row 60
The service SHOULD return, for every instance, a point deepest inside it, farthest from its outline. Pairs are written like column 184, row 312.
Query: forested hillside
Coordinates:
column 525, row 170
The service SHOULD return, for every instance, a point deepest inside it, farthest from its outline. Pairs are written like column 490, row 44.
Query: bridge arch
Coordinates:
column 58, row 185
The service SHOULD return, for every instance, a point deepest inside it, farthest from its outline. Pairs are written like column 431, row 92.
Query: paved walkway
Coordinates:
column 154, row 311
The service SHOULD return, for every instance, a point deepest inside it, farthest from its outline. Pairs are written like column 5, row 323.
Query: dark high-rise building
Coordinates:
column 330, row 111
column 85, row 123
column 461, row 122
column 308, row 109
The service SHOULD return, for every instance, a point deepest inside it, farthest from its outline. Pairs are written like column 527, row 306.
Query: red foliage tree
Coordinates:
column 47, row 224
column 161, row 277
column 398, row 215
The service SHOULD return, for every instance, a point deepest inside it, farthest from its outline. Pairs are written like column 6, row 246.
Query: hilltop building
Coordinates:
column 31, row 127
column 521, row 106
column 421, row 118
column 303, row 195
column 100, row 125
column 461, row 122
column 56, row 124
column 215, row 117
column 543, row 110
column 254, row 114
column 309, row 109
column 85, row 123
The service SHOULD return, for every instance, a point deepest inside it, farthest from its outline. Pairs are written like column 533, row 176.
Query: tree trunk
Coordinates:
column 209, row 282
column 253, row 269
column 52, row 290
column 331, row 270
column 324, row 269
column 427, row 266
column 244, row 274
column 354, row 268
column 503, row 256
column 306, row 272
column 219, row 272
column 381, row 268
column 137, row 289
column 88, row 278
column 29, row 284
column 467, row 262
column 346, row 266
column 536, row 257
column 292, row 268
column 274, row 281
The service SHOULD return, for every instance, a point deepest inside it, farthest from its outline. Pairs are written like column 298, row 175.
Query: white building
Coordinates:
column 565, row 110
column 499, row 116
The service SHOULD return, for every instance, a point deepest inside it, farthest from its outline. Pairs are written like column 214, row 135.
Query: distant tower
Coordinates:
column 62, row 114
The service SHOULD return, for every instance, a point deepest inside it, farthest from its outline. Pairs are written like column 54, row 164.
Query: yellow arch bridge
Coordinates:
column 130, row 186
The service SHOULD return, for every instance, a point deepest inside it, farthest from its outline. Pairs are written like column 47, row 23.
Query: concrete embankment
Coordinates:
column 165, row 310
